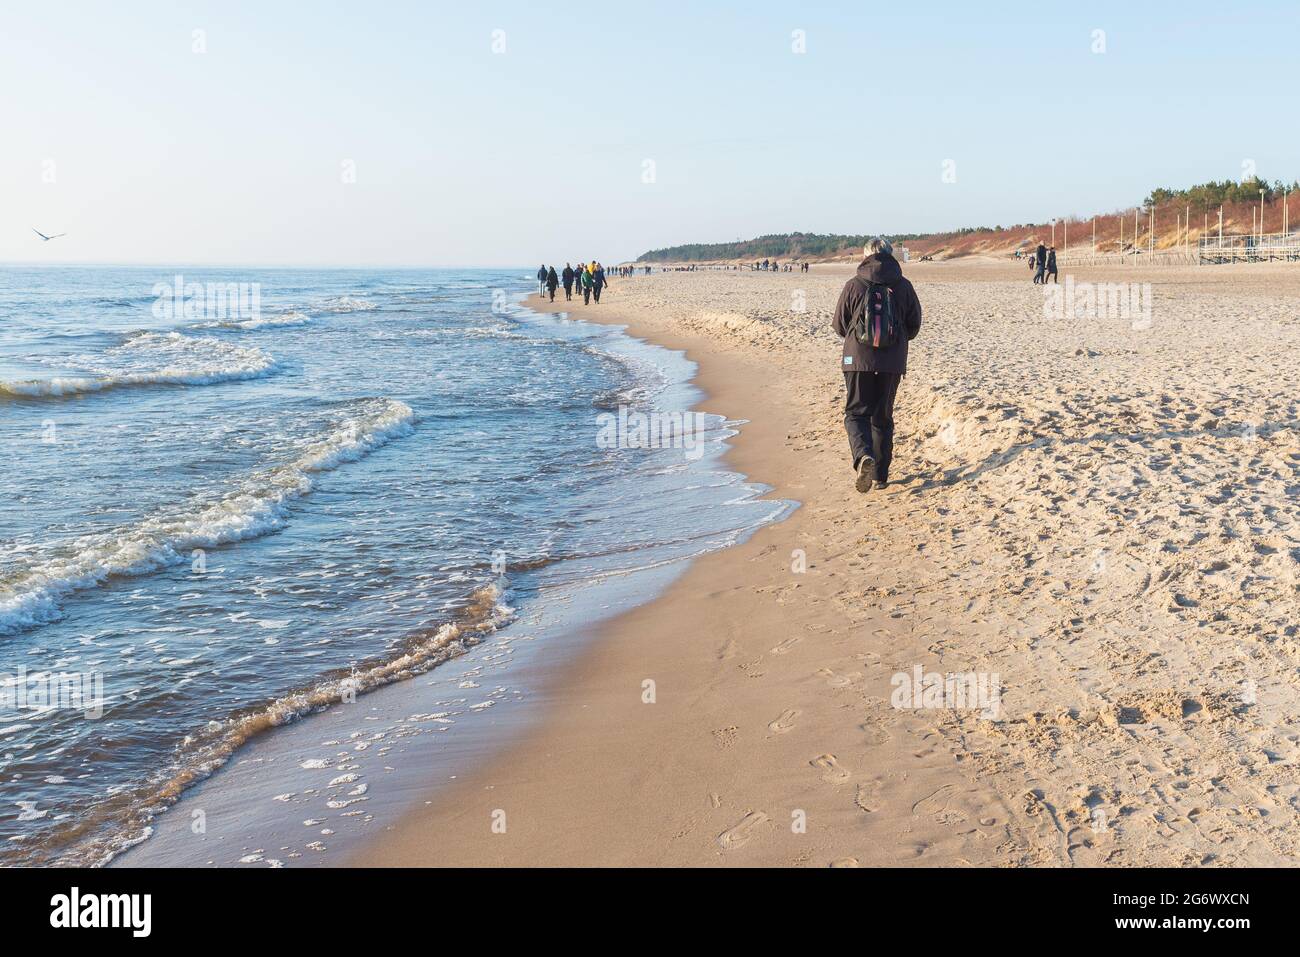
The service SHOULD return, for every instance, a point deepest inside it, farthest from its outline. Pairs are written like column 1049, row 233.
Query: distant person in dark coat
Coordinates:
column 1051, row 265
column 568, row 275
column 552, row 281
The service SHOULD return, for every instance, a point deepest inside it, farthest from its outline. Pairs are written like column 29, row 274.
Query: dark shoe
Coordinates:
column 865, row 468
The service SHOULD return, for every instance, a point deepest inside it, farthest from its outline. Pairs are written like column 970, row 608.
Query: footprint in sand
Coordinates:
column 784, row 721
column 738, row 836
column 936, row 801
column 832, row 771
column 786, row 645
column 845, row 862
column 726, row 737
column 867, row 796
column 838, row 680
column 786, row 595
column 728, row 650
column 874, row 734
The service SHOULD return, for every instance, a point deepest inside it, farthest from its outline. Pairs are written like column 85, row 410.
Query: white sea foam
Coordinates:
column 29, row 812
column 152, row 358
column 291, row 318
column 347, row 304
column 31, row 595
column 485, row 612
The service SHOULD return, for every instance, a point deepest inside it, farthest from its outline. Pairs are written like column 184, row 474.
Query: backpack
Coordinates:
column 877, row 324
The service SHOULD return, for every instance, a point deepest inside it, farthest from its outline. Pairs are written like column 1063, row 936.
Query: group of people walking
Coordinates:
column 589, row 279
column 1043, row 265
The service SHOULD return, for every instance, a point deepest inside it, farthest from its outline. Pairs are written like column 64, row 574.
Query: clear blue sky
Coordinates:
column 465, row 156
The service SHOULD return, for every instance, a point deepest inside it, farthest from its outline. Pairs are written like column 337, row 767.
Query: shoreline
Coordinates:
column 259, row 807
column 723, row 765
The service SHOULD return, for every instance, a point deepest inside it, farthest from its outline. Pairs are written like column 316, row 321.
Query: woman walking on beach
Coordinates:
column 568, row 281
column 878, row 315
column 552, row 281
column 1051, row 266
column 597, row 282
column 586, row 286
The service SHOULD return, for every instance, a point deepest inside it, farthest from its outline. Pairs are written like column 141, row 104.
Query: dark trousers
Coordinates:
column 551, row 290
column 595, row 292
column 568, row 290
column 586, row 295
column 869, row 417
column 1051, row 274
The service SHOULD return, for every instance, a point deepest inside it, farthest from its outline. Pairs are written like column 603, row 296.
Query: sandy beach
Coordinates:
column 1098, row 514
column 916, row 494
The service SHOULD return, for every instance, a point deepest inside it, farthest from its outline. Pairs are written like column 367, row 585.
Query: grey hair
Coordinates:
column 879, row 245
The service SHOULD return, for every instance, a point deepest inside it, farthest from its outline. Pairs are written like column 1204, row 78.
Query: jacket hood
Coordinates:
column 879, row 267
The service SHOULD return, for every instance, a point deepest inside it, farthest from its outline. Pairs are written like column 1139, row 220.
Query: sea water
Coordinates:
column 234, row 498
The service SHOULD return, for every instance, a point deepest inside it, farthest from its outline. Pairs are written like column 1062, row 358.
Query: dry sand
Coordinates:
column 1103, row 516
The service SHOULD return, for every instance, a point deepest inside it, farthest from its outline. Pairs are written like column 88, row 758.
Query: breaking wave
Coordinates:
column 130, row 814
column 347, row 304
column 151, row 358
column 290, row 318
column 257, row 506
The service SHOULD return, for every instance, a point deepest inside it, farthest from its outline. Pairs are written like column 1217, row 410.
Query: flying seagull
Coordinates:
column 47, row 238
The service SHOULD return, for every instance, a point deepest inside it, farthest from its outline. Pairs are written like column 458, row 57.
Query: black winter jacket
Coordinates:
column 858, row 356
